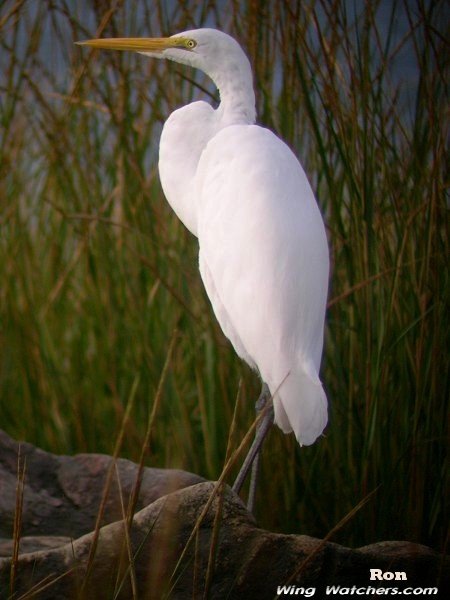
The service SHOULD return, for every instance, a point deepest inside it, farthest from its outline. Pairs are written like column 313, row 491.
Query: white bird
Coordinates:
column 263, row 252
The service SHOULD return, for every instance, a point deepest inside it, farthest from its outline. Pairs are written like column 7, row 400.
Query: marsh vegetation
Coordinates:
column 99, row 281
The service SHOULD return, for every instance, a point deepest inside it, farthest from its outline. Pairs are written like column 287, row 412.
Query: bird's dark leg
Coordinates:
column 263, row 404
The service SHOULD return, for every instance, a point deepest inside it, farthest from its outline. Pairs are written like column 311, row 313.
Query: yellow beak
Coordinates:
column 136, row 44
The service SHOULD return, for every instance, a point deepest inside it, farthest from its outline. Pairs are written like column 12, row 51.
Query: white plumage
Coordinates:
column 263, row 251
column 262, row 256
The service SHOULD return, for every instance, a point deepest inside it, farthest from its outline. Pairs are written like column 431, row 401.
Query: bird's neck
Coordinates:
column 237, row 97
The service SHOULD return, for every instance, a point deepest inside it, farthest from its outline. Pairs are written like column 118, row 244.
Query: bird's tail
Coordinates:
column 300, row 405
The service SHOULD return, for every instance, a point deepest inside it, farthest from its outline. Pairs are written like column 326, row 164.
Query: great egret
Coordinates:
column 263, row 251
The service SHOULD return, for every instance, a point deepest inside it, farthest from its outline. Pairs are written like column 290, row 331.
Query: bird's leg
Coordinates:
column 264, row 400
column 264, row 403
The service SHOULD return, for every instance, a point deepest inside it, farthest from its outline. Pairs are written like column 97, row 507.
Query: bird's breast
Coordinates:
column 184, row 137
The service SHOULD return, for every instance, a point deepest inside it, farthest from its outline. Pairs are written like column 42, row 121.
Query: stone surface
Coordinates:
column 227, row 556
column 62, row 494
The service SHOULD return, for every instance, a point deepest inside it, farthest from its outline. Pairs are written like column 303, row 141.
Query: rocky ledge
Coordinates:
column 188, row 539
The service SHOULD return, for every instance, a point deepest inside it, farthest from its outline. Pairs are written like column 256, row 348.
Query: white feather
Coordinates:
column 262, row 246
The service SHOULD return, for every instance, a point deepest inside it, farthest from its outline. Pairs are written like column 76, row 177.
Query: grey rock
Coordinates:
column 195, row 542
column 62, row 494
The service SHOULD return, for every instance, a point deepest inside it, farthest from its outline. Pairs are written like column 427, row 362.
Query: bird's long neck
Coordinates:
column 237, row 97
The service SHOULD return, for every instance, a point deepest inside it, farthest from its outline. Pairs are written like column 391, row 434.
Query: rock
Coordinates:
column 191, row 543
column 62, row 494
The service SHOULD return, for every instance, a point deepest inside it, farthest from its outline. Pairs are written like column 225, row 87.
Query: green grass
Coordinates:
column 97, row 275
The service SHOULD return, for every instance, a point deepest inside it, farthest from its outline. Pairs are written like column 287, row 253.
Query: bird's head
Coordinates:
column 209, row 50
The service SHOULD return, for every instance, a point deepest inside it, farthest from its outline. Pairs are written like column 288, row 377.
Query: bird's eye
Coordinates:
column 190, row 44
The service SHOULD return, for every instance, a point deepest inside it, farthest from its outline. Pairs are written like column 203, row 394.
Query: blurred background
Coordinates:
column 99, row 281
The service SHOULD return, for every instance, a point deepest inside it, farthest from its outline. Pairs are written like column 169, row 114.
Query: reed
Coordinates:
column 97, row 273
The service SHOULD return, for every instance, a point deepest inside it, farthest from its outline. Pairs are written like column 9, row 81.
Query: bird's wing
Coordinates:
column 264, row 263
